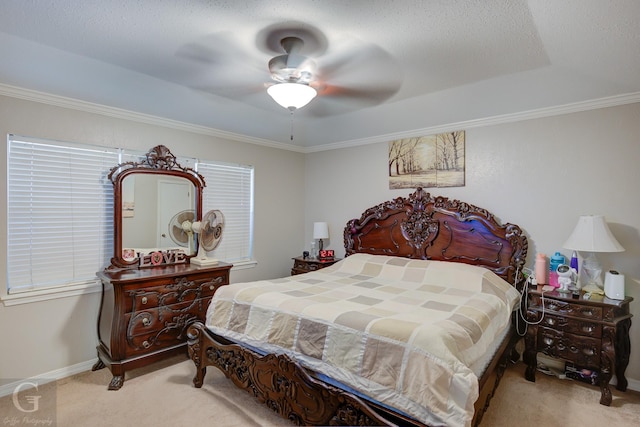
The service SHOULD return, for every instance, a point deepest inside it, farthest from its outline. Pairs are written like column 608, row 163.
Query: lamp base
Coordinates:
column 592, row 271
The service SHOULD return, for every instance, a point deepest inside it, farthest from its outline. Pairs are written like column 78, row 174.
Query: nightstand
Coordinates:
column 306, row 265
column 589, row 332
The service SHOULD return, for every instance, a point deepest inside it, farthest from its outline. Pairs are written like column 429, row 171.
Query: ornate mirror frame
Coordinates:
column 161, row 162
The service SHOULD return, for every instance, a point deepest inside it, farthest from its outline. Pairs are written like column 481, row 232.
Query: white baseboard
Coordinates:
column 55, row 375
column 633, row 385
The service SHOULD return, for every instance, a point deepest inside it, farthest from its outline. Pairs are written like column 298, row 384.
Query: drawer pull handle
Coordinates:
column 146, row 344
column 552, row 306
column 588, row 351
column 573, row 349
column 550, row 321
column 587, row 328
column 144, row 300
column 211, row 287
column 587, row 313
column 548, row 341
column 146, row 321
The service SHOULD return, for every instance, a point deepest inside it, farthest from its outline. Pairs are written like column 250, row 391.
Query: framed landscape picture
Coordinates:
column 427, row 161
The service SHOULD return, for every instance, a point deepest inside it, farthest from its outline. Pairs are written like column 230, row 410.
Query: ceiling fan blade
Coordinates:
column 355, row 75
column 235, row 92
column 371, row 94
column 337, row 99
column 349, row 55
column 219, row 65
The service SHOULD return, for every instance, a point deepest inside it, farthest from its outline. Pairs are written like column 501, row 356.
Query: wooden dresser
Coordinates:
column 591, row 332
column 145, row 312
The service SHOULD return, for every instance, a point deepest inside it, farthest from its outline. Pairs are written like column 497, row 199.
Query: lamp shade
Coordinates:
column 320, row 230
column 592, row 234
column 292, row 95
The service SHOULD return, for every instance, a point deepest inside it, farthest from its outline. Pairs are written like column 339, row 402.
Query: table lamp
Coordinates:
column 592, row 235
column 320, row 231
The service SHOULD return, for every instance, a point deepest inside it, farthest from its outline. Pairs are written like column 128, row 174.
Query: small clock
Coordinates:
column 325, row 255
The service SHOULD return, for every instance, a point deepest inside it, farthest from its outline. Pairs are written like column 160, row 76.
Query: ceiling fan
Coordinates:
column 293, row 73
column 344, row 72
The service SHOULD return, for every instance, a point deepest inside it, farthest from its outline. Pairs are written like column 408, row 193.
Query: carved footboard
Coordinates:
column 278, row 382
column 289, row 390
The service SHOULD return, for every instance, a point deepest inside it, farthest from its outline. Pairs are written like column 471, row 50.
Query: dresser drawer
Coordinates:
column 149, row 330
column 583, row 351
column 567, row 308
column 152, row 341
column 153, row 319
column 182, row 290
column 574, row 326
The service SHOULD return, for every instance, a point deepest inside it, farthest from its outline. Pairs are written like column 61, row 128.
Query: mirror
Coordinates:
column 152, row 200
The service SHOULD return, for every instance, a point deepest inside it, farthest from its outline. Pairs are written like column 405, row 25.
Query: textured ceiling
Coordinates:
column 384, row 67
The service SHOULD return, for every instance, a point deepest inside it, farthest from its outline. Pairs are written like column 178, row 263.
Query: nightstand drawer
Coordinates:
column 306, row 266
column 574, row 326
column 583, row 351
column 567, row 308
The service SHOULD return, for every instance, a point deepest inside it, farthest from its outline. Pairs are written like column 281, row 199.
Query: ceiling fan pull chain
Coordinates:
column 292, row 125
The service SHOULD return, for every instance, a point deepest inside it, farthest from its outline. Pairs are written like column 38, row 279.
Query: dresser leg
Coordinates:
column 116, row 382
column 605, row 391
column 605, row 377
column 98, row 365
column 530, row 355
column 623, row 350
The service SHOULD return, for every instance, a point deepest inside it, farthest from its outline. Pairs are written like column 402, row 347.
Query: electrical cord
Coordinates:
column 524, row 303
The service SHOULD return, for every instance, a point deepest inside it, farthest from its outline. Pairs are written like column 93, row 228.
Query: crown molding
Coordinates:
column 611, row 101
column 120, row 113
column 65, row 102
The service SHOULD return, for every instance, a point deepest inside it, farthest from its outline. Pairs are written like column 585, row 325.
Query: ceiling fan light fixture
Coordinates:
column 292, row 95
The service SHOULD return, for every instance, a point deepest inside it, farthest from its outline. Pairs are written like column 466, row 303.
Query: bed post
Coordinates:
column 194, row 334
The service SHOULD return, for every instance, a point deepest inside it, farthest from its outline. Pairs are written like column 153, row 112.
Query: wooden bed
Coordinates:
column 419, row 227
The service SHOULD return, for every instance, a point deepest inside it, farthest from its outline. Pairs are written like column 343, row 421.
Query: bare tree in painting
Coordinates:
column 402, row 156
column 449, row 146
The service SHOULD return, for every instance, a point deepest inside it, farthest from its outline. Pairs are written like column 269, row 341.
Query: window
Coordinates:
column 230, row 190
column 60, row 211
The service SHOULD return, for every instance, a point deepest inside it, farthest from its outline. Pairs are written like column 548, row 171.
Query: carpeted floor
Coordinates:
column 162, row 395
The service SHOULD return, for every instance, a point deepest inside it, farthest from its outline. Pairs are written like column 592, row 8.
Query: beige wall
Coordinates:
column 44, row 337
column 541, row 174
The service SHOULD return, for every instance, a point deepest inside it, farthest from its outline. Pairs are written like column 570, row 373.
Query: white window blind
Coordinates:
column 230, row 190
column 60, row 212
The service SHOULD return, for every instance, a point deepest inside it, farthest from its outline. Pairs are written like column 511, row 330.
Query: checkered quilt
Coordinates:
column 403, row 332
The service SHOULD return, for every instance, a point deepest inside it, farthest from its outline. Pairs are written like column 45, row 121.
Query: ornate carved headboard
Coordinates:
column 438, row 228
